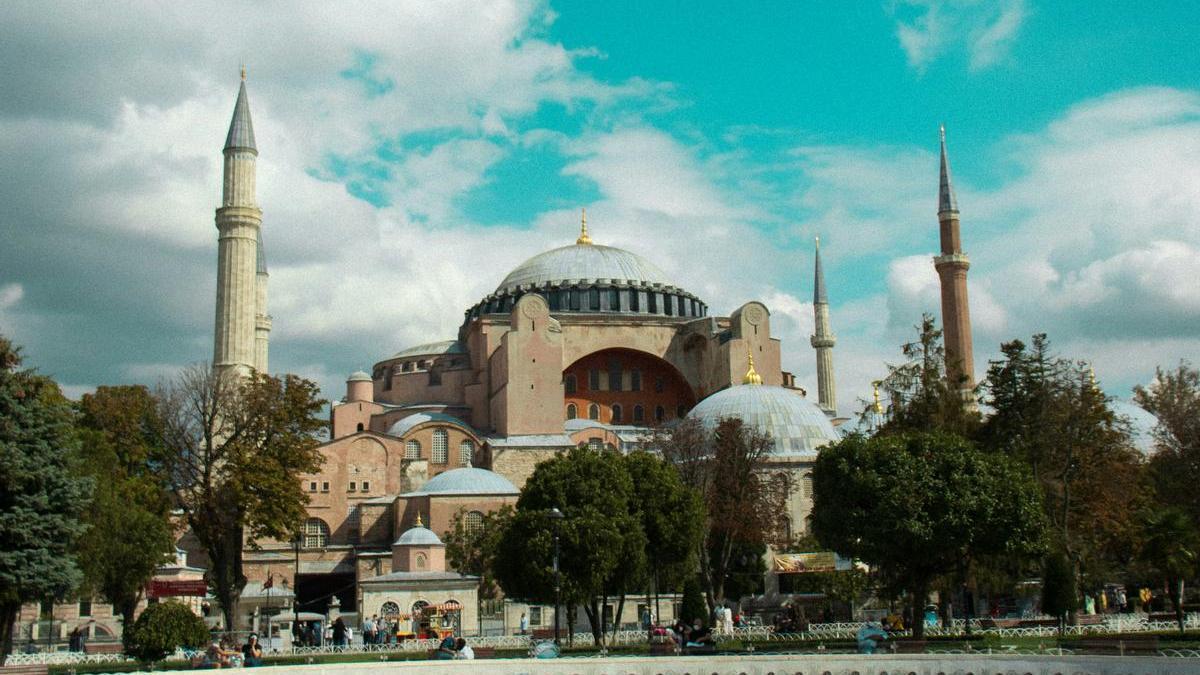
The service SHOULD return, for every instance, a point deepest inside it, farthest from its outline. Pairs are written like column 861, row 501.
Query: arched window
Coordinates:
column 569, row 384
column 594, row 299
column 389, row 609
column 420, row 561
column 639, row 413
column 680, row 411
column 806, row 485
column 595, row 443
column 787, row 528
column 594, row 412
column 412, row 449
column 614, row 299
column 316, row 533
column 594, row 379
column 635, row 380
column 360, row 426
column 616, row 413
column 435, row 376
column 614, row 375
column 659, row 414
column 474, row 522
column 633, row 300
column 466, row 452
column 572, row 411
column 441, row 446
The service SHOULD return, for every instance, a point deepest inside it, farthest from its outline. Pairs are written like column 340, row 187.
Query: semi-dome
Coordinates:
column 410, row 422
column 583, row 261
column 419, row 536
column 796, row 424
column 467, row 481
column 1142, row 423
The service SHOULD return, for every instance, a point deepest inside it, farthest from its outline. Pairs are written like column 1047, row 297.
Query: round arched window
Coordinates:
column 316, row 533
column 441, row 446
column 412, row 449
column 421, row 561
column 572, row 411
column 474, row 522
column 390, row 609
column 594, row 412
column 466, row 452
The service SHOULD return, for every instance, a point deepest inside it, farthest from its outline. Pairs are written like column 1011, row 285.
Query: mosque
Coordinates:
column 583, row 344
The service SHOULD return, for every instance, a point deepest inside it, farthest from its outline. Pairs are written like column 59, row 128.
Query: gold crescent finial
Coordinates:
column 419, row 523
column 1092, row 376
column 243, row 72
column 818, row 240
column 942, row 131
column 875, row 393
column 583, row 239
column 752, row 377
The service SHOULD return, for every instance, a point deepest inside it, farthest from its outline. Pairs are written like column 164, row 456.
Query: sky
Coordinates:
column 412, row 153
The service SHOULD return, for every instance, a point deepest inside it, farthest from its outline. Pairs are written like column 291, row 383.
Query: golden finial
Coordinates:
column 751, row 377
column 1092, row 377
column 875, row 394
column 942, row 131
column 243, row 72
column 818, row 240
column 419, row 523
column 583, row 239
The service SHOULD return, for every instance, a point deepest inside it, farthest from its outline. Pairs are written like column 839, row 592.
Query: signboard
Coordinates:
column 820, row 561
column 171, row 588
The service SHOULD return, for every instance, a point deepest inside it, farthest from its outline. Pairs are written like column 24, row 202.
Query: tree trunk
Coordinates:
column 920, row 595
column 1177, row 600
column 594, row 619
column 570, row 625
column 127, row 608
column 617, row 616
column 9, row 612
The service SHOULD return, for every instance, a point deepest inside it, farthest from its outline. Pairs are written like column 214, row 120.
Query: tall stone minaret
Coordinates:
column 952, row 266
column 239, row 221
column 823, row 340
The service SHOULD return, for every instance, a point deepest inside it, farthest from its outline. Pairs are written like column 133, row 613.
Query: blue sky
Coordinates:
column 412, row 153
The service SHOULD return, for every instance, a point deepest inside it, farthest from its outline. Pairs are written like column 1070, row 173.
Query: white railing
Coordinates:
column 62, row 658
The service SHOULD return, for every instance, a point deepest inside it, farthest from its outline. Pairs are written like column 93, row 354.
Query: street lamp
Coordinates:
column 557, row 517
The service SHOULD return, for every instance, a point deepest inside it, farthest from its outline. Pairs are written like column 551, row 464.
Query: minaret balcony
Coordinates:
column 822, row 341
column 952, row 260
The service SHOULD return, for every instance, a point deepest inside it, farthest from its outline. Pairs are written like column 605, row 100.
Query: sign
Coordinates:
column 171, row 588
column 820, row 561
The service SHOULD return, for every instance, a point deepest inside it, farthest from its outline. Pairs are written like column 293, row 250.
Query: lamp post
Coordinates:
column 557, row 517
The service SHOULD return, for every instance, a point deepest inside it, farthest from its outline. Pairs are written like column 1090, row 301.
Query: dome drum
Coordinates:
column 601, row 296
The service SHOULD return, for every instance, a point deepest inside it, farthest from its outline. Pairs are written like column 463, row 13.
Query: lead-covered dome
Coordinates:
column 798, row 427
column 418, row 536
column 466, row 481
column 584, row 261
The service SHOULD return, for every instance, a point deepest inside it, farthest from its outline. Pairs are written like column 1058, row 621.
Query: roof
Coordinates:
column 531, row 441
column 795, row 423
column 583, row 261
column 407, row 424
column 466, row 481
column 947, row 201
column 1141, row 424
column 260, row 253
column 358, row 376
column 241, row 129
column 819, row 295
column 418, row 536
column 432, row 349
column 626, row 432
column 418, row 576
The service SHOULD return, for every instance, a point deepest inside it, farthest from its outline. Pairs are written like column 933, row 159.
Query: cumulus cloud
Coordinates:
column 928, row 29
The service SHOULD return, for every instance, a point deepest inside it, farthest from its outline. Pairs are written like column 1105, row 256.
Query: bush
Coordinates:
column 694, row 606
column 163, row 628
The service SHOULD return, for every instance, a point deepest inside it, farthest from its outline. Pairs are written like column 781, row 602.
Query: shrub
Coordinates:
column 163, row 628
column 694, row 606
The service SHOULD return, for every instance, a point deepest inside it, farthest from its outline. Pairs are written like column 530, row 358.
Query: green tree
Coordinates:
column 1060, row 595
column 234, row 448
column 601, row 539
column 129, row 525
column 40, row 497
column 920, row 396
column 161, row 629
column 693, row 606
column 1174, row 471
column 1050, row 415
column 1171, row 549
column 922, row 505
column 473, row 550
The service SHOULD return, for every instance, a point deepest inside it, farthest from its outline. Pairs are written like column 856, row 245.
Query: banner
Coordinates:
column 819, row 561
column 172, row 588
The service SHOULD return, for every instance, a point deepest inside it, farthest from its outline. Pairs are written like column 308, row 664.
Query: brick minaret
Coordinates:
column 823, row 340
column 952, row 266
column 239, row 221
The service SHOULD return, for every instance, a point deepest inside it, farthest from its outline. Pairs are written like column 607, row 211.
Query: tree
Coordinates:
column 1171, row 549
column 234, row 448
column 129, row 525
column 922, row 505
column 745, row 503
column 601, row 539
column 1050, row 414
column 473, row 550
column 1174, row 471
column 161, row 629
column 1060, row 595
column 920, row 396
column 693, row 605
column 40, row 497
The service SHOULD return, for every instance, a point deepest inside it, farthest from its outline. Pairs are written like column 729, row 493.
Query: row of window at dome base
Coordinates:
column 602, row 296
column 616, row 413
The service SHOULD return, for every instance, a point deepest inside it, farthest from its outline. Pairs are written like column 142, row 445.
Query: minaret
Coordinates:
column 823, row 340
column 952, row 266
column 262, row 320
column 239, row 221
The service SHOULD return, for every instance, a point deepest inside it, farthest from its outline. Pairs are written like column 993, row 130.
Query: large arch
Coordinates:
column 628, row 379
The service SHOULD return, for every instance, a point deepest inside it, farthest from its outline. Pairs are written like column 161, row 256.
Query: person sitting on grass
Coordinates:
column 463, row 651
column 445, row 650
column 700, row 636
column 252, row 652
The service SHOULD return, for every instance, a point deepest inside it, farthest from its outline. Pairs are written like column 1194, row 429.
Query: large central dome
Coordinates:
column 587, row 262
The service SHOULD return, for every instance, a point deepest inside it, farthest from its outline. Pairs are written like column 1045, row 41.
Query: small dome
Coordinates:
column 419, row 536
column 467, row 481
column 796, row 424
column 1141, row 424
column 358, row 376
column 583, row 261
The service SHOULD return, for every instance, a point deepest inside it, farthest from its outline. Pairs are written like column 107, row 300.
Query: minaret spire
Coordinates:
column 239, row 343
column 952, row 266
column 584, row 239
column 823, row 339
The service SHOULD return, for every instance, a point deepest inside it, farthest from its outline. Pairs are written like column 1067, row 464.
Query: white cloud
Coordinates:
column 10, row 295
column 928, row 29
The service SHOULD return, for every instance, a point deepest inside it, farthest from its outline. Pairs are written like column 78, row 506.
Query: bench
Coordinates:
column 32, row 669
column 1120, row 645
column 103, row 648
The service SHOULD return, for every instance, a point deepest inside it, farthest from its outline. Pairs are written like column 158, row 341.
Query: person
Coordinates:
column 446, row 650
column 463, row 651
column 727, row 620
column 869, row 637
column 699, row 635
column 524, row 624
column 368, row 630
column 216, row 656
column 75, row 640
column 681, row 630
column 339, row 632
column 252, row 652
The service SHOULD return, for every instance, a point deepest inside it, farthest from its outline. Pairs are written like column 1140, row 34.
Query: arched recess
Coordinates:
column 627, row 379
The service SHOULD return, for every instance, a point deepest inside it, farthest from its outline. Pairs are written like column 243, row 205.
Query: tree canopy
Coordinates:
column 1174, row 471
column 40, row 497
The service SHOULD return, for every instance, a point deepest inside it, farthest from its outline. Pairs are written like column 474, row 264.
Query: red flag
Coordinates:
column 269, row 582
